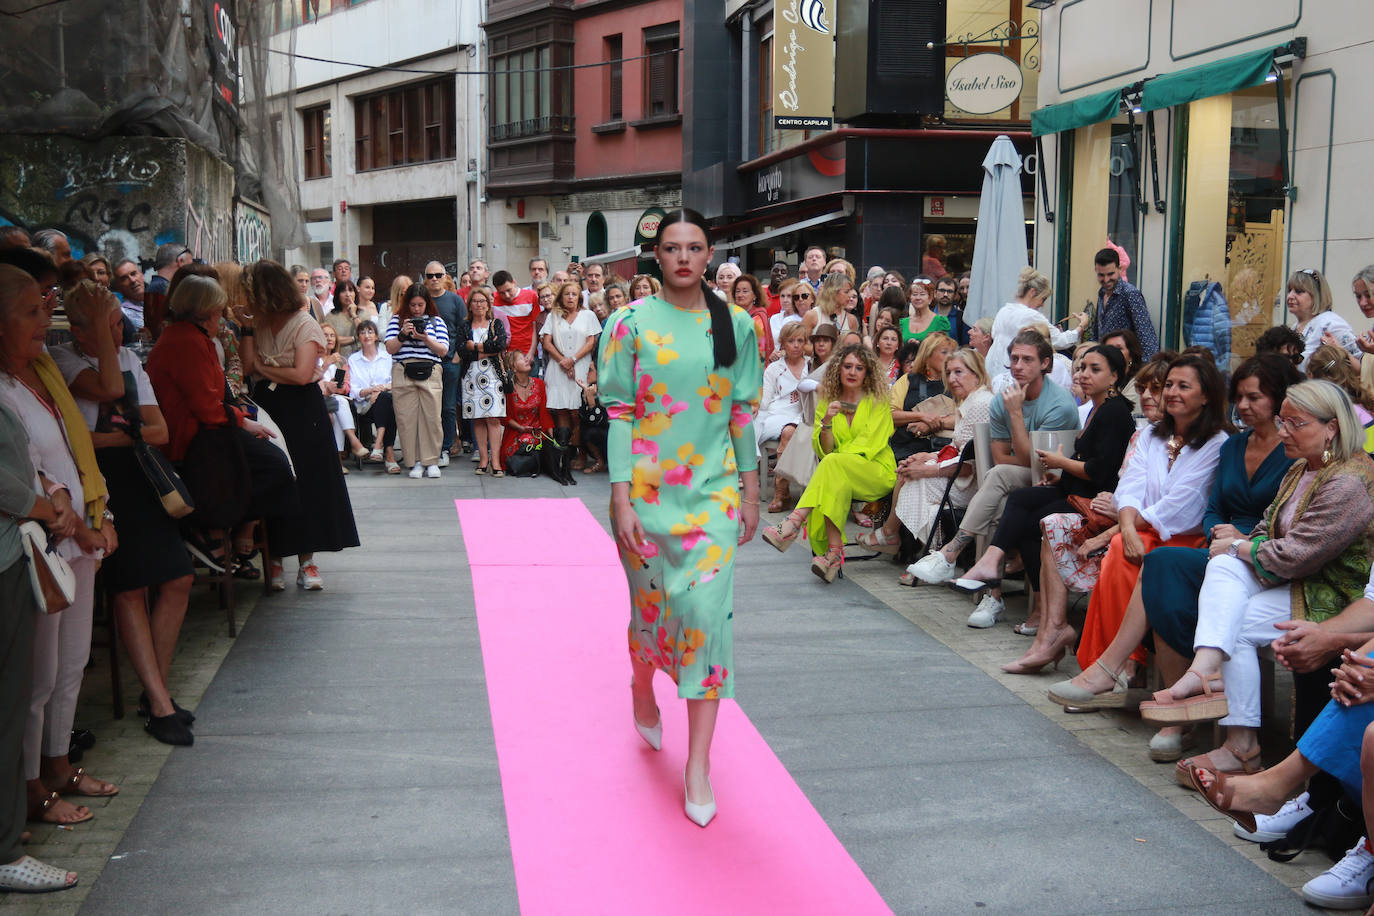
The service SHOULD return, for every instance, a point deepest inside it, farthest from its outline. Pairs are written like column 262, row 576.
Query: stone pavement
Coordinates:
column 344, row 759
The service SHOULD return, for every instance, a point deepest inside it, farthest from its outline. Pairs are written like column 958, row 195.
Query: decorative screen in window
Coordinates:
column 1008, row 28
column 615, row 85
column 315, row 131
column 407, row 125
column 660, row 71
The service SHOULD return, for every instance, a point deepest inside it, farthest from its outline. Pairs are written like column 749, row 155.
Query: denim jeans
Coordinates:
column 453, row 392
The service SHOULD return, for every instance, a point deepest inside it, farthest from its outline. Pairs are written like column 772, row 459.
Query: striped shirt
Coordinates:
column 414, row 349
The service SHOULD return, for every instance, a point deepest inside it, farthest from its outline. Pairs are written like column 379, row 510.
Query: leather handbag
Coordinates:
column 167, row 484
column 54, row 582
column 1096, row 521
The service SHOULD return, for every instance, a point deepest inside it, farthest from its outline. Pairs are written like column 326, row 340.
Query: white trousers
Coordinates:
column 61, row 648
column 1236, row 614
column 341, row 420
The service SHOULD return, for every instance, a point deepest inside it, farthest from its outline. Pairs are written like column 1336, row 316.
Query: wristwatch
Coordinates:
column 1234, row 548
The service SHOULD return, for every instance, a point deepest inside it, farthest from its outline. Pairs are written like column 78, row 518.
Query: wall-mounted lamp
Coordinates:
column 1040, row 4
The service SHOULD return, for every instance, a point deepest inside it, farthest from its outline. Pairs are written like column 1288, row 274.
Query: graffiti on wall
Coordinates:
column 124, row 170
column 254, row 229
column 209, row 232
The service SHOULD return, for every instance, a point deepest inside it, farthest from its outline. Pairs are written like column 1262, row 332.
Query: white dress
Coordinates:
column 780, row 405
column 561, row 392
column 919, row 500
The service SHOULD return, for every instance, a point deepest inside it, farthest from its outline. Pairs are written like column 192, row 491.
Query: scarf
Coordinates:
column 78, row 439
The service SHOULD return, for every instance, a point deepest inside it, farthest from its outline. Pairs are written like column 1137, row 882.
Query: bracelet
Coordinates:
column 55, row 488
column 825, row 426
column 245, row 332
column 752, row 502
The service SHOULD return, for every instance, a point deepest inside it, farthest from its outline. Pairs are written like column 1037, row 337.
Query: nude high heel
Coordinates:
column 1028, row 664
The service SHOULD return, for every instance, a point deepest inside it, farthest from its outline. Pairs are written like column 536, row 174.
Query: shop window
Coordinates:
column 615, row 71
column 660, row 71
column 1123, row 188
column 598, row 240
column 406, row 125
column 315, row 131
column 1107, row 162
column 1232, row 223
column 767, row 137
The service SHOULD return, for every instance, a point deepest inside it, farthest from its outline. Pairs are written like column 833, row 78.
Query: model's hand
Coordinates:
column 1304, row 646
column 629, row 533
column 748, row 520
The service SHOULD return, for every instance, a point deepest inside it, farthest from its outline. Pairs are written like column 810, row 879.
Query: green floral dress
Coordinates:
column 681, row 430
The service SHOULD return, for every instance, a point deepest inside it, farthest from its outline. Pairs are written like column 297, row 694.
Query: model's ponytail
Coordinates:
column 722, row 325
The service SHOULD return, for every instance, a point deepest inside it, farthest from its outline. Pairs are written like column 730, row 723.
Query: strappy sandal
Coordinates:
column 1249, row 765
column 829, row 565
column 1200, row 707
column 908, row 580
column 72, row 785
column 1026, row 629
column 42, row 814
column 30, row 876
column 782, row 536
column 1220, row 796
column 878, row 540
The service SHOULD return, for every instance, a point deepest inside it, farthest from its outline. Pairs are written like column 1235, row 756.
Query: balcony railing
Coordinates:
column 533, row 127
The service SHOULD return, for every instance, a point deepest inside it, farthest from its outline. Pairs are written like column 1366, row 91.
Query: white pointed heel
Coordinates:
column 653, row 736
column 701, row 815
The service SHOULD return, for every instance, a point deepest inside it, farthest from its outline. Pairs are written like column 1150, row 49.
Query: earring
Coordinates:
column 1111, row 392
column 1326, row 455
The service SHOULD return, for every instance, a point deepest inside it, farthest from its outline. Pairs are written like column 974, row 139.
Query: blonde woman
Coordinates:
column 921, row 480
column 1032, row 292
column 569, row 338
column 397, row 298
column 831, row 305
column 1308, row 297
column 853, row 425
column 780, row 410
column 642, row 286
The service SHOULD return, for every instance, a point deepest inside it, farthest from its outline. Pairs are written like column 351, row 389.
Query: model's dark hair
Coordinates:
column 1212, row 420
column 1132, row 341
column 1274, row 372
column 722, row 325
column 1115, row 361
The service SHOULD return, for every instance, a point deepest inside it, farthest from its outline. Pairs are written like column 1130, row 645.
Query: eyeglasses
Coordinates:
column 1290, row 425
column 438, row 276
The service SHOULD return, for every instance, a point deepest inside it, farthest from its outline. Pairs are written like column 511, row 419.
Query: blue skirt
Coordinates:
column 1332, row 742
column 1170, row 580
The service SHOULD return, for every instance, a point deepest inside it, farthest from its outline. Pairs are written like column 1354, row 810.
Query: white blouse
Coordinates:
column 1011, row 318
column 368, row 373
column 1173, row 499
column 48, row 448
column 1319, row 325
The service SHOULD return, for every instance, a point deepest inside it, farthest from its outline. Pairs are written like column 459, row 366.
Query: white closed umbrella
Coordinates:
column 999, row 249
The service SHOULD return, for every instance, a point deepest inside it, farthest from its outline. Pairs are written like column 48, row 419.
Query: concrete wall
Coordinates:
column 123, row 196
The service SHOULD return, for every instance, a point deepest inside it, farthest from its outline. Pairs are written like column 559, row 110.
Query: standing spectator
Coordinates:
column 933, row 264
column 520, row 309
column 417, row 340
column 642, row 286
column 539, row 272
column 831, row 304
column 367, row 299
column 1032, row 291
column 1309, row 298
column 321, row 292
column 477, row 274
column 570, row 336
column 169, row 257
column 343, row 319
column 921, row 319
column 747, row 293
column 813, row 266
column 947, row 305
column 776, row 276
column 342, row 270
column 99, row 267
column 128, row 282
column 300, row 274
column 482, row 341
column 726, row 274
column 452, row 311
column 1120, row 305
column 283, row 347
column 595, row 277
column 55, row 243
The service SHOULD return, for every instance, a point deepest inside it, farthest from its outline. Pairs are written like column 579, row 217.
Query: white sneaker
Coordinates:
column 309, row 578
column 1271, row 827
column 432, row 472
column 475, row 457
column 933, row 568
column 416, row 471
column 986, row 613
column 1345, row 885
column 443, row 460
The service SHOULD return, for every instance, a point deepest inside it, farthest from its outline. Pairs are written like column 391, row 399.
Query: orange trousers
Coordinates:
column 1107, row 605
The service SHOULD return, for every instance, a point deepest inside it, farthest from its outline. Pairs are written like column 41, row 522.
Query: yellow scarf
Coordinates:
column 78, row 438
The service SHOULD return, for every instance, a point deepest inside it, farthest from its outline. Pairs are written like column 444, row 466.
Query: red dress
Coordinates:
column 525, row 411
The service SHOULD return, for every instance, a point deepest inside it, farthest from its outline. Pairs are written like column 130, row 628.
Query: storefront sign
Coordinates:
column 803, row 65
column 224, row 51
column 646, row 229
column 983, row 83
column 814, row 173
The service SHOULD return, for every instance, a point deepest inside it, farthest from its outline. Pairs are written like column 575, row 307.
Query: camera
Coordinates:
column 419, row 325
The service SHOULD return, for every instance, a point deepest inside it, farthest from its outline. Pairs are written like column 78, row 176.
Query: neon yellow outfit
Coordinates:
column 861, row 466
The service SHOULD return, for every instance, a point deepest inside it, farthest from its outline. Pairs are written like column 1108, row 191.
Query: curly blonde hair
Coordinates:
column 875, row 382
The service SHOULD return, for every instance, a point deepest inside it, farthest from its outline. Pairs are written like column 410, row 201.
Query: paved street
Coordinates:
column 344, row 759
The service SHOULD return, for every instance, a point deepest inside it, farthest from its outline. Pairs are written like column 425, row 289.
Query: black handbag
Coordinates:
column 507, row 386
column 524, row 461
column 418, row 370
column 216, row 473
column 171, row 490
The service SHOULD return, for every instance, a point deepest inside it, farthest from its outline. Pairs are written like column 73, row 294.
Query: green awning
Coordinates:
column 1091, row 109
column 1219, row 78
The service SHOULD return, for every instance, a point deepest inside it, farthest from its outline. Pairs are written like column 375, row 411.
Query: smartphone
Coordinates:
column 848, row 406
column 339, row 375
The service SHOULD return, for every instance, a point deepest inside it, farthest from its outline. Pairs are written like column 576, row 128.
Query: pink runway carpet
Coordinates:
column 595, row 815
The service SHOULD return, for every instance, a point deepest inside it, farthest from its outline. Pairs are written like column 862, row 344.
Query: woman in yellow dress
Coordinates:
column 853, row 425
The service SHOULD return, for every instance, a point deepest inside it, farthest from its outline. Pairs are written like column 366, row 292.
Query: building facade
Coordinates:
column 1218, row 143
column 585, row 128
column 374, row 105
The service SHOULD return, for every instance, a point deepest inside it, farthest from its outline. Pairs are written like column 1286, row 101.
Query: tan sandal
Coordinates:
column 72, row 785
column 46, row 815
column 878, row 540
column 829, row 565
column 1249, row 765
column 1200, row 707
column 1220, row 795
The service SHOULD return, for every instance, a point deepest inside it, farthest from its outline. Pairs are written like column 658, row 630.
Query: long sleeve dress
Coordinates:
column 861, row 466
column 681, row 431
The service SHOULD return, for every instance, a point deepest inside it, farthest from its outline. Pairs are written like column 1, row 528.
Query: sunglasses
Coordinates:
column 1311, row 273
column 434, row 276
column 922, row 282
column 801, row 295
